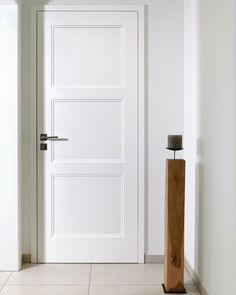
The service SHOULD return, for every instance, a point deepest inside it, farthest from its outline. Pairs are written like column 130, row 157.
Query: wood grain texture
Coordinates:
column 174, row 225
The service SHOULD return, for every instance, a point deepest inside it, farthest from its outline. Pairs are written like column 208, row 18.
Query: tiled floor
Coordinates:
column 86, row 279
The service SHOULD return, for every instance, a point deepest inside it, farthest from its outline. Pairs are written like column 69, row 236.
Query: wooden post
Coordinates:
column 174, row 227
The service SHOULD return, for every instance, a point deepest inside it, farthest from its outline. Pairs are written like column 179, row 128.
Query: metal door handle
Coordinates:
column 45, row 137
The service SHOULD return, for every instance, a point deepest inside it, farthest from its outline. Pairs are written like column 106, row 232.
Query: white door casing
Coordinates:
column 88, row 91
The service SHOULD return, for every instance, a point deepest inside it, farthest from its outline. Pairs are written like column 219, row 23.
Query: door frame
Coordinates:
column 140, row 10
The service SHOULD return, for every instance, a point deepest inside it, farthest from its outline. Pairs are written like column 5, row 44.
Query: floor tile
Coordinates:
column 126, row 290
column 130, row 274
column 51, row 274
column 192, row 290
column 4, row 276
column 44, row 290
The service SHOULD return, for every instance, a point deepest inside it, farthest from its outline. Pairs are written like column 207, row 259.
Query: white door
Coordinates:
column 87, row 94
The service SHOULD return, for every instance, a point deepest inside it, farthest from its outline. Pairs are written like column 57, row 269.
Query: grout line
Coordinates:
column 90, row 278
column 5, row 282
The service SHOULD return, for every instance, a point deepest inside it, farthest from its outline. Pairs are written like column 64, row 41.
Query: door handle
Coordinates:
column 45, row 137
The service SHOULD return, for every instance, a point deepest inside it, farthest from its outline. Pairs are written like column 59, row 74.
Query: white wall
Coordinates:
column 191, row 123
column 215, row 134
column 9, row 147
column 165, row 105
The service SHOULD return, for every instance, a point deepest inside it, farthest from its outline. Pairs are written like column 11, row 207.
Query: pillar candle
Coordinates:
column 175, row 142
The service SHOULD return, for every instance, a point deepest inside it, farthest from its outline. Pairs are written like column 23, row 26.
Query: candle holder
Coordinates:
column 174, row 150
column 175, row 143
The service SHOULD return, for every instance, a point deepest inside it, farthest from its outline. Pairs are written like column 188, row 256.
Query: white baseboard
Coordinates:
column 154, row 258
column 195, row 278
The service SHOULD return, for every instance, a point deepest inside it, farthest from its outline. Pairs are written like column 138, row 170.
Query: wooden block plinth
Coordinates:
column 174, row 226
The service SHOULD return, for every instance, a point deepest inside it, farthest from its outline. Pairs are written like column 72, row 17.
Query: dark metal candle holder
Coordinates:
column 174, row 150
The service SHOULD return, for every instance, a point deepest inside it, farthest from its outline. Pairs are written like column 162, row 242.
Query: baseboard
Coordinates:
column 154, row 258
column 26, row 258
column 195, row 278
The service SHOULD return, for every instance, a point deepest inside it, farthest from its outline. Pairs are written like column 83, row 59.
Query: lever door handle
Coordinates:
column 45, row 137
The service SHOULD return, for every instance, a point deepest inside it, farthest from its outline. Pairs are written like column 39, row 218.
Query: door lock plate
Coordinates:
column 43, row 146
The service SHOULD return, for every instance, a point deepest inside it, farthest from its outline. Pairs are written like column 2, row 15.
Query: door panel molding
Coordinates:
column 119, row 159
column 120, row 177
column 118, row 84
